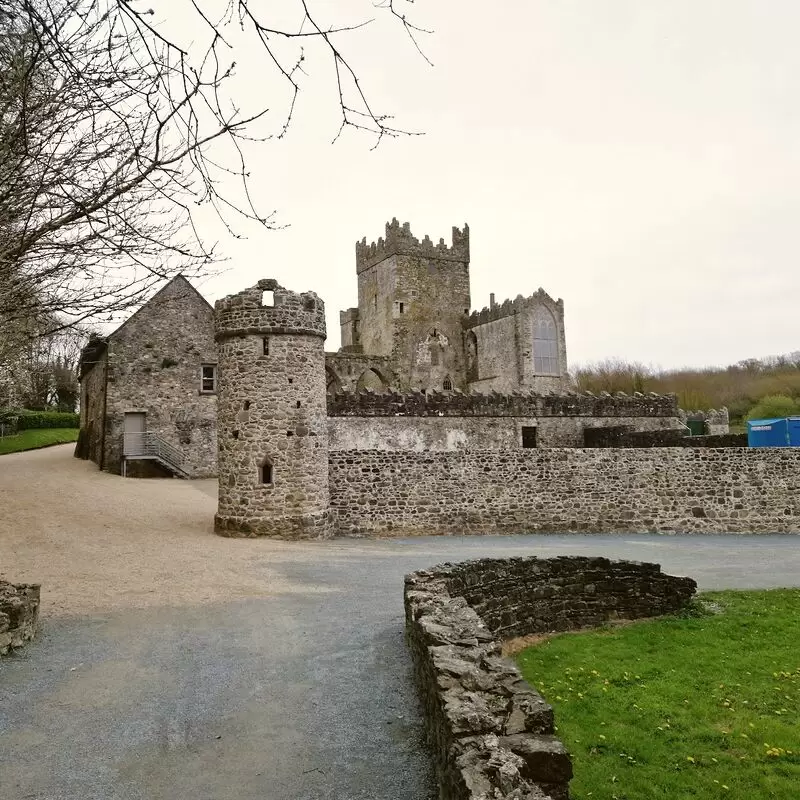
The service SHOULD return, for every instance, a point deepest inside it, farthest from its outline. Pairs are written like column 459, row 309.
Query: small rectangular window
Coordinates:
column 528, row 436
column 265, row 345
column 208, row 379
column 401, row 308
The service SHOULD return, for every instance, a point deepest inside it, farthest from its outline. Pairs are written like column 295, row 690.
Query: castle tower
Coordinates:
column 412, row 298
column 271, row 425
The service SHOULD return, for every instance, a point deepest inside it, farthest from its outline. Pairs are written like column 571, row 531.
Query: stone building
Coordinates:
column 417, row 372
column 148, row 391
column 413, row 328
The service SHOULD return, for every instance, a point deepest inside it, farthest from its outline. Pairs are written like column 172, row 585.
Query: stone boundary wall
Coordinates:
column 491, row 733
column 458, row 404
column 19, row 612
column 659, row 489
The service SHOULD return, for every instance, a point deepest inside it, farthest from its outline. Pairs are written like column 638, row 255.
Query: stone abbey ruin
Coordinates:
column 431, row 418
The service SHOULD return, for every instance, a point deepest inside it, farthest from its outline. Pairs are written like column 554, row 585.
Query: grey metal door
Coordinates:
column 135, row 428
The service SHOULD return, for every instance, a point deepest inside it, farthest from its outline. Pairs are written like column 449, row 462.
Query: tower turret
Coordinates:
column 272, row 436
column 412, row 297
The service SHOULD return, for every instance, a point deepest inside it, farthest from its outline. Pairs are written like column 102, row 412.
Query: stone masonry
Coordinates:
column 412, row 328
column 19, row 612
column 491, row 734
column 152, row 365
column 272, row 438
column 661, row 489
column 433, row 421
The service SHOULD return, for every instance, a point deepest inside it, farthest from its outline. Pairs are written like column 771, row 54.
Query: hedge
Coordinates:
column 29, row 420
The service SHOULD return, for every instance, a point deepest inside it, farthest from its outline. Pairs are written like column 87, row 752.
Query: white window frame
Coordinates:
column 203, row 378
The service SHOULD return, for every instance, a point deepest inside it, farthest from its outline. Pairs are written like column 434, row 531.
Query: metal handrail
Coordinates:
column 150, row 445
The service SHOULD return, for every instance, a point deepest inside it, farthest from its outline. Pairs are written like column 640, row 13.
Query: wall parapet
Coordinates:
column 400, row 241
column 19, row 613
column 509, row 307
column 459, row 404
column 244, row 313
column 492, row 734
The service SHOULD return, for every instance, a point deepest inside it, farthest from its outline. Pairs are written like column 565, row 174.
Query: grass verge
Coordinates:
column 34, row 439
column 698, row 705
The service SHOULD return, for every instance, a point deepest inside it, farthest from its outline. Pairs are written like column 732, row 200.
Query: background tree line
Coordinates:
column 753, row 388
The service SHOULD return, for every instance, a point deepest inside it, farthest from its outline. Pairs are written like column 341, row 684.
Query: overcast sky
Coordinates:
column 638, row 158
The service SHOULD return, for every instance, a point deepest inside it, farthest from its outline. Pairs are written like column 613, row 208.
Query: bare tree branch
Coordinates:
column 114, row 131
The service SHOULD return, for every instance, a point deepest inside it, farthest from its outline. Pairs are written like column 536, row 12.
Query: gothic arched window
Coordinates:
column 545, row 345
column 447, row 384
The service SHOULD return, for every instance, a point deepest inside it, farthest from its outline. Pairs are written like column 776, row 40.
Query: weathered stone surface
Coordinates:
column 491, row 733
column 152, row 364
column 19, row 612
column 272, row 438
column 740, row 490
column 636, row 436
column 412, row 327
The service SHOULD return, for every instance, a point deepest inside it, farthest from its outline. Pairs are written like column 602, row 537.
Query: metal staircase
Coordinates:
column 149, row 446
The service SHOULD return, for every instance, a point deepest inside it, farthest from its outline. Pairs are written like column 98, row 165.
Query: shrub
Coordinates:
column 29, row 420
column 774, row 405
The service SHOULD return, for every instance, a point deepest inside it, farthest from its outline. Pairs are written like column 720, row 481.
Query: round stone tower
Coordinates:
column 271, row 414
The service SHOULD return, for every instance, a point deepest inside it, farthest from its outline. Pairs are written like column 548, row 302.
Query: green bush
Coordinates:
column 30, row 420
column 774, row 405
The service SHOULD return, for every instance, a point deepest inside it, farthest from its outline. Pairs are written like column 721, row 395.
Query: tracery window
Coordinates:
column 545, row 345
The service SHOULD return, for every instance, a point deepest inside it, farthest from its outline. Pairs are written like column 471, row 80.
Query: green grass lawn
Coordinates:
column 703, row 706
column 33, row 439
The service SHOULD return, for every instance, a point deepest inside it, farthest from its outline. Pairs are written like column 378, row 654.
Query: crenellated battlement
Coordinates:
column 518, row 404
column 246, row 313
column 400, row 241
column 509, row 307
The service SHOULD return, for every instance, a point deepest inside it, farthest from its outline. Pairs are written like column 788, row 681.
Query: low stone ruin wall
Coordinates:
column 621, row 436
column 491, row 733
column 19, row 611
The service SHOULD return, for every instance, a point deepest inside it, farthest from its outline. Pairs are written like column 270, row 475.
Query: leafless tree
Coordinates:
column 116, row 125
column 613, row 375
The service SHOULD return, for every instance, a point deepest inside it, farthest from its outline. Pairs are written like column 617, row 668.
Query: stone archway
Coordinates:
column 333, row 383
column 373, row 380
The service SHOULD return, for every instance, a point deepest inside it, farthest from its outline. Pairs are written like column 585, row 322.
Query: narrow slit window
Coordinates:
column 266, row 473
column 265, row 345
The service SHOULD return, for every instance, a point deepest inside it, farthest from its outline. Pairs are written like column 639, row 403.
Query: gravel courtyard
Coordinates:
column 173, row 663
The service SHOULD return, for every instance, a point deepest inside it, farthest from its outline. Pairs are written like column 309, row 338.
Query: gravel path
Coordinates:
column 175, row 664
column 100, row 543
